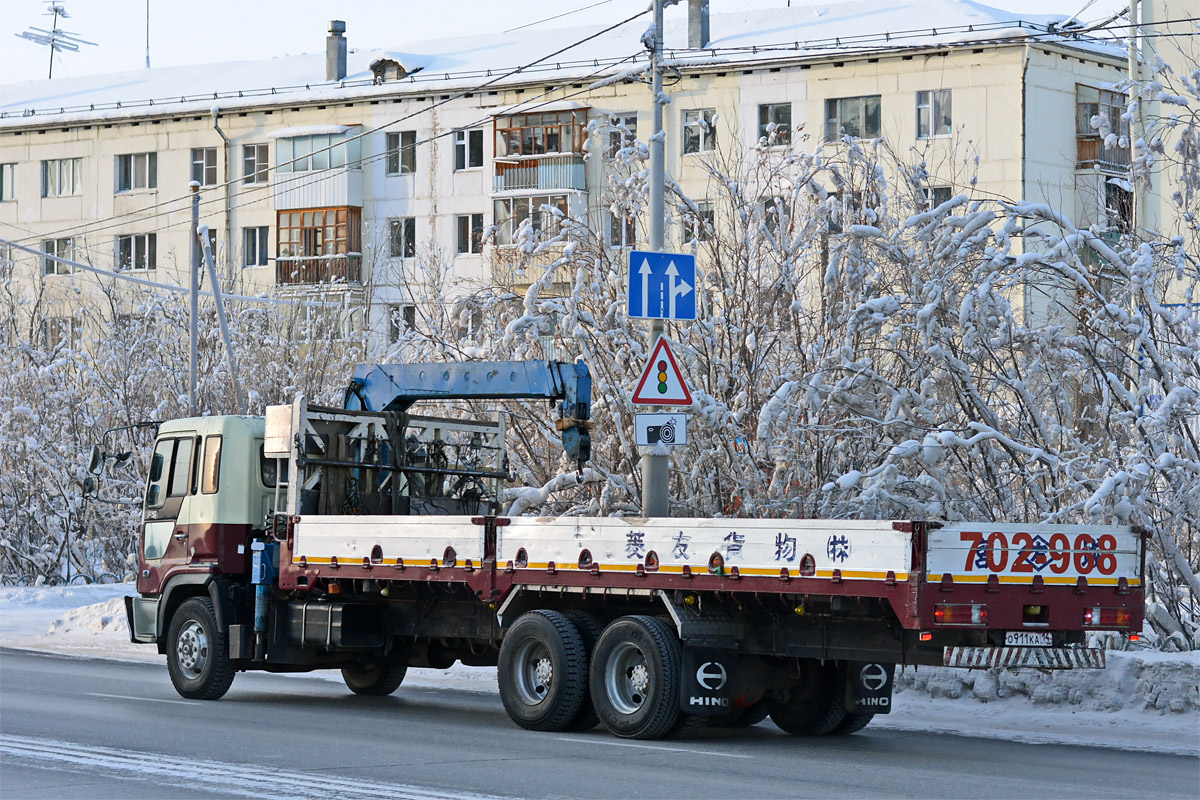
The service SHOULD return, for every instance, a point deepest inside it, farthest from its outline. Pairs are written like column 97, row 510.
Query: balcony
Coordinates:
column 1092, row 154
column 549, row 172
column 299, row 270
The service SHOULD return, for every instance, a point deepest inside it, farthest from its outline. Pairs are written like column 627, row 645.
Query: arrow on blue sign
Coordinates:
column 664, row 286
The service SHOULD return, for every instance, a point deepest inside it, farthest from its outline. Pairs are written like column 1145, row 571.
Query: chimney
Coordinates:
column 697, row 24
column 335, row 51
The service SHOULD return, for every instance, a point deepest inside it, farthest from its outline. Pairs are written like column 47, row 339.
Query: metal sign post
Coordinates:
column 656, row 468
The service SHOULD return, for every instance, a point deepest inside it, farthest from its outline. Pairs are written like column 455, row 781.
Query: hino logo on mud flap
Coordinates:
column 711, row 676
column 721, row 702
column 875, row 702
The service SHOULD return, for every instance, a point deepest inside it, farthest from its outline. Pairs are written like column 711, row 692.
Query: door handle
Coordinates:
column 181, row 535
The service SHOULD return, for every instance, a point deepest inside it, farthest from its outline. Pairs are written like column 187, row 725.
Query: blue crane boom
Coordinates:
column 395, row 387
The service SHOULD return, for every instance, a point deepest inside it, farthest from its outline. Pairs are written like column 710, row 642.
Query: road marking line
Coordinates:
column 250, row 780
column 146, row 699
column 654, row 747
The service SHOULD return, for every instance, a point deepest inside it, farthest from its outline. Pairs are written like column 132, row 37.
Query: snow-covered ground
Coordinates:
column 1143, row 701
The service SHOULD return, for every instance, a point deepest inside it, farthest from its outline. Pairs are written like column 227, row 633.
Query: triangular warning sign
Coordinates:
column 662, row 383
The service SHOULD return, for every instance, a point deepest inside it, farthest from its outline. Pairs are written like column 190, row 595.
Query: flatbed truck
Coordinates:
column 368, row 539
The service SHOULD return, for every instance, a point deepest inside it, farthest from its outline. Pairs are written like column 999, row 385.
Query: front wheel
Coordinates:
column 377, row 679
column 197, row 658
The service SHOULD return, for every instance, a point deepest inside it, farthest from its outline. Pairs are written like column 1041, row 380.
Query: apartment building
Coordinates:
column 347, row 176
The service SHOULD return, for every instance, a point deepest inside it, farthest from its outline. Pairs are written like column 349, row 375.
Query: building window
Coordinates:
column 699, row 226
column 539, row 134
column 936, row 195
column 62, row 177
column 59, row 332
column 62, row 248
column 254, row 163
column 622, row 132
column 1092, row 149
column 319, row 151
column 933, row 113
column 1118, row 207
column 137, row 251
column 468, row 149
column 137, row 171
column 319, row 245
column 852, row 116
column 470, row 233
column 511, row 212
column 204, row 165
column 7, row 174
column 254, row 246
column 401, row 320
column 402, row 152
column 402, row 237
column 775, row 123
column 776, row 214
column 622, row 230
column 699, row 130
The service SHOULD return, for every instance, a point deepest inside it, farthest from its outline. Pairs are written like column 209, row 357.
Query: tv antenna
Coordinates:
column 58, row 39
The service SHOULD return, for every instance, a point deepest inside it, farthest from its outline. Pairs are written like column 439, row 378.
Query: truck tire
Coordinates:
column 197, row 656
column 635, row 678
column 854, row 722
column 377, row 679
column 589, row 629
column 816, row 705
column 542, row 671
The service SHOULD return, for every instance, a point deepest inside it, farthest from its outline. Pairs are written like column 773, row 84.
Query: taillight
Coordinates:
column 960, row 614
column 1106, row 617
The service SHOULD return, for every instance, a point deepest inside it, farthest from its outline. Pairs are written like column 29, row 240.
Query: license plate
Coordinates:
column 1028, row 639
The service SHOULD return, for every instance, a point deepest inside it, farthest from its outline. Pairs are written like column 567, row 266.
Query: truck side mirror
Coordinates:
column 96, row 462
column 89, row 485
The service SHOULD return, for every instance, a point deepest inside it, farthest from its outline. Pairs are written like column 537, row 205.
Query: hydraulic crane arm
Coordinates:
column 395, row 387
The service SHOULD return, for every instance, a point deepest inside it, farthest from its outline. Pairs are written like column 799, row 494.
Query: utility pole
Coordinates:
column 194, row 324
column 656, row 468
column 147, row 34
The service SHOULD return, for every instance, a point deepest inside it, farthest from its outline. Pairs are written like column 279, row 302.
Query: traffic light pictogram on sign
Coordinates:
column 662, row 383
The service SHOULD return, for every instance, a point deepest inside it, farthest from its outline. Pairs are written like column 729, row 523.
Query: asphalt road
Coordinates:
column 96, row 729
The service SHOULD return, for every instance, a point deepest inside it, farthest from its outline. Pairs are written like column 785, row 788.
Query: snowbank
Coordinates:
column 1139, row 680
column 1143, row 701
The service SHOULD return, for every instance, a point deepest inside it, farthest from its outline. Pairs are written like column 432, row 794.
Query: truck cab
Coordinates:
column 208, row 489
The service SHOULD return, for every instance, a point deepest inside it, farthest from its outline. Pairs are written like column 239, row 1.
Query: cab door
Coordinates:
column 164, row 515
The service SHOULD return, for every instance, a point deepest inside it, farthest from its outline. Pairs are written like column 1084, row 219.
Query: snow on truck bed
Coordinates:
column 1144, row 700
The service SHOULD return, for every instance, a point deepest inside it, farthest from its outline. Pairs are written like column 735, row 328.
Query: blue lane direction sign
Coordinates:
column 662, row 285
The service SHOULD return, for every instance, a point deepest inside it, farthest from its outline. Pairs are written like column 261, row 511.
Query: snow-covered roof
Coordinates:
column 810, row 30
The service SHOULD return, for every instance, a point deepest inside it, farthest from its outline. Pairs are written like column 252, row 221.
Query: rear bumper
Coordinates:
column 1013, row 657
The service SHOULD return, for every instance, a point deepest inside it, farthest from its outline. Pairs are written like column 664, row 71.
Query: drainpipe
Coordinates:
column 1027, row 296
column 228, row 198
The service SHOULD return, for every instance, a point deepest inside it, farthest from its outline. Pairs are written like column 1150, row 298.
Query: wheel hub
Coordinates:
column 543, row 671
column 191, row 650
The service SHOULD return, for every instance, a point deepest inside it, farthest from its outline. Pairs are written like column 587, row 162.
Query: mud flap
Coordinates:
column 869, row 687
column 706, row 681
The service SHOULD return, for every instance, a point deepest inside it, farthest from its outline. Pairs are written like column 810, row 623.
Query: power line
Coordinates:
column 447, row 99
column 317, row 176
column 154, row 284
column 220, row 211
column 558, row 16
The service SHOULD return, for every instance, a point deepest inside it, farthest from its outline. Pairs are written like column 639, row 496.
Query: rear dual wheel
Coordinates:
column 635, row 679
column 816, row 705
column 542, row 671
